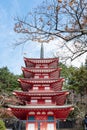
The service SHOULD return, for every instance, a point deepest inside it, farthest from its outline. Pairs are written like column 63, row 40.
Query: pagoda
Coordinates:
column 43, row 102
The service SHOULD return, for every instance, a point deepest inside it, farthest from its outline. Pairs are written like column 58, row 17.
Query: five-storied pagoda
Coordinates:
column 42, row 95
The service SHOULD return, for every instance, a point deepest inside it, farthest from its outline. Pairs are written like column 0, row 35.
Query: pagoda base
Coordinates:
column 41, row 125
column 41, row 117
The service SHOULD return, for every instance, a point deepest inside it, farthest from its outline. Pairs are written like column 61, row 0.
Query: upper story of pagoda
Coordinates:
column 46, row 68
column 41, row 72
column 41, row 63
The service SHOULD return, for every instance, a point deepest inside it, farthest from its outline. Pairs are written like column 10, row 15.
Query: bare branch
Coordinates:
column 53, row 20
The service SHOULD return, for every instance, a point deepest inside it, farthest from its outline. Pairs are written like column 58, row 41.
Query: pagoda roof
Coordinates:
column 40, row 81
column 59, row 97
column 40, row 93
column 21, row 112
column 40, row 70
column 39, row 107
column 27, row 83
column 41, row 61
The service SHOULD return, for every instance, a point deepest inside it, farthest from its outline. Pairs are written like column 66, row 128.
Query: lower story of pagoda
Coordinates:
column 41, row 117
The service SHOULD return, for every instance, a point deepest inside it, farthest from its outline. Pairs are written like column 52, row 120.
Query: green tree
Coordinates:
column 66, row 73
column 8, row 81
column 78, row 80
column 2, row 125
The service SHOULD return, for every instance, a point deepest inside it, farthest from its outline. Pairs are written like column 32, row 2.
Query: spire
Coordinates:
column 42, row 51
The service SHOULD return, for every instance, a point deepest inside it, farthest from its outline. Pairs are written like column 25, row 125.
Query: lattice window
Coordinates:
column 50, row 118
column 31, row 118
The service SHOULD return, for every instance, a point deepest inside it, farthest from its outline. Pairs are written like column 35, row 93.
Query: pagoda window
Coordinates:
column 33, row 101
column 36, row 76
column 31, row 118
column 47, row 88
column 50, row 118
column 46, row 77
column 35, row 88
column 48, row 101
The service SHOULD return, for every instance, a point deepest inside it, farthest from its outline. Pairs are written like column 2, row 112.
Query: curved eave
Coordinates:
column 26, row 84
column 40, row 61
column 59, row 97
column 40, row 107
column 29, row 72
column 38, row 93
column 21, row 112
column 40, row 81
column 40, row 70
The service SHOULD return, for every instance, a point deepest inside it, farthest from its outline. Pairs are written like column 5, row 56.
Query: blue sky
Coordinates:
column 13, row 57
column 10, row 56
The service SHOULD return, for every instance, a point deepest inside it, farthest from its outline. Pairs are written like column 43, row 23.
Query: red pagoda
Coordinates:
column 42, row 97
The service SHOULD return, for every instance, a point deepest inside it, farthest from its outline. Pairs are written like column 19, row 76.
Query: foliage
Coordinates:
column 2, row 125
column 8, row 81
column 74, row 114
column 78, row 80
column 66, row 73
column 57, row 19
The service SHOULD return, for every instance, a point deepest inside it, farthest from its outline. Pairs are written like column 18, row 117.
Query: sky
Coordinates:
column 10, row 56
